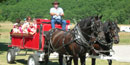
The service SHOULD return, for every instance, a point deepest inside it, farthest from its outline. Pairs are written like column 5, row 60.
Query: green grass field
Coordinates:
column 22, row 60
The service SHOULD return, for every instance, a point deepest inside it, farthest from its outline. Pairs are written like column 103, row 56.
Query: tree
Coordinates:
column 110, row 9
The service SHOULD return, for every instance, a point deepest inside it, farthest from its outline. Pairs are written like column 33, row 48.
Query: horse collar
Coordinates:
column 79, row 35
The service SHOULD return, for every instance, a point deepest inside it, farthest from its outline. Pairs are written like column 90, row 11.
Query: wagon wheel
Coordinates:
column 10, row 56
column 33, row 60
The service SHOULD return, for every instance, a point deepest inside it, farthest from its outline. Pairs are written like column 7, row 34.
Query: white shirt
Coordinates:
column 57, row 11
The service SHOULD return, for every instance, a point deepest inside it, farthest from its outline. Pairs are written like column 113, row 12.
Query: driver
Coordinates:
column 56, row 15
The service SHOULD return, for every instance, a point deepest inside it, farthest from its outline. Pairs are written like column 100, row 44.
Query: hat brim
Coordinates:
column 55, row 3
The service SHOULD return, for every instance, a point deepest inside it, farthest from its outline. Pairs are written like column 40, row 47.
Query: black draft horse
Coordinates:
column 111, row 31
column 75, row 42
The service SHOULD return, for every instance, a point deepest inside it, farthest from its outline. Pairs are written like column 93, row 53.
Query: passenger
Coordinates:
column 57, row 14
column 35, row 22
column 17, row 28
column 28, row 19
column 26, row 24
column 32, row 27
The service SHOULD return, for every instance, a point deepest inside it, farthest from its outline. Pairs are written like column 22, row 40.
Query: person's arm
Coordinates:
column 62, row 12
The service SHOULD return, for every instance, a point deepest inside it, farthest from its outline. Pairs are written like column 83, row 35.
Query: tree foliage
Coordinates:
column 74, row 9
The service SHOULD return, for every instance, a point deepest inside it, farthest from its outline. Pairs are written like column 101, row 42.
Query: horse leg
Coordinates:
column 109, row 61
column 46, row 57
column 75, row 58
column 69, row 60
column 93, row 61
column 82, row 59
column 60, row 59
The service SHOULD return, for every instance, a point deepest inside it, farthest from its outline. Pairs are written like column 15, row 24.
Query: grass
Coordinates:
column 22, row 60
column 5, row 28
column 124, row 38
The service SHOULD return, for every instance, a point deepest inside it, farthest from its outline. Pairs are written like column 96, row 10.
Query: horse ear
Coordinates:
column 96, row 17
column 110, row 23
column 100, row 17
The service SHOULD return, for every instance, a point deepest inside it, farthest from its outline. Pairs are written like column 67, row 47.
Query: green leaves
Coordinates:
column 74, row 9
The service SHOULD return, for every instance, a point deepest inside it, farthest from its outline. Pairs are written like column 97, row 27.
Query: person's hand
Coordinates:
column 61, row 14
column 57, row 15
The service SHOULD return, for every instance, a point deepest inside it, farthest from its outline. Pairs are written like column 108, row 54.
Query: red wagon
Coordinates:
column 34, row 42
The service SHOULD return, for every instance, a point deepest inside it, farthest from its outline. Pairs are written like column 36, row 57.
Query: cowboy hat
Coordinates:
column 55, row 2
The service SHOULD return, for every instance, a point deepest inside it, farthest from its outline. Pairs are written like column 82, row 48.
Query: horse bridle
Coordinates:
column 111, row 37
column 78, row 35
column 111, row 34
column 109, row 44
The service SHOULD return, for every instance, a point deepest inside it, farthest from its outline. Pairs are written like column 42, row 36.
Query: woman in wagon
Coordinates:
column 29, row 26
column 56, row 15
column 26, row 24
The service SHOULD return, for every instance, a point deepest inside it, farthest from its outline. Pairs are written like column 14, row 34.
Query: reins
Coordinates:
column 79, row 35
column 63, row 38
column 108, row 44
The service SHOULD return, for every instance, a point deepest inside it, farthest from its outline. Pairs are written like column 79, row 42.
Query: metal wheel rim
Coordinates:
column 9, row 56
column 31, row 61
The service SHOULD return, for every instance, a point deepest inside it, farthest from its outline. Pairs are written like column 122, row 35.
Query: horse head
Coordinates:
column 92, row 26
column 113, row 29
column 98, row 29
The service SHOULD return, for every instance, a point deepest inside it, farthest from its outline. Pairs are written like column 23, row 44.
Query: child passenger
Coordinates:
column 29, row 26
column 17, row 26
column 26, row 24
column 32, row 27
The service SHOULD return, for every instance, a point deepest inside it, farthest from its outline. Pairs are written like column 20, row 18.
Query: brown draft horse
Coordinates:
column 75, row 42
column 111, row 31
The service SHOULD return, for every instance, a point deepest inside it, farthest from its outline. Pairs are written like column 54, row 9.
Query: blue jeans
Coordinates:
column 60, row 21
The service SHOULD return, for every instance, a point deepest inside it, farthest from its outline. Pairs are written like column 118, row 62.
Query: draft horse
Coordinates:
column 76, row 42
column 111, row 31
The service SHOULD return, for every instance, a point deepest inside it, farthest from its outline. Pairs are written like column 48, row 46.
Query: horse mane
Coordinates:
column 84, row 22
column 105, row 26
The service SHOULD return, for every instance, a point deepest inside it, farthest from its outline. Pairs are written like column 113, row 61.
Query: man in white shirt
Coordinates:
column 57, row 13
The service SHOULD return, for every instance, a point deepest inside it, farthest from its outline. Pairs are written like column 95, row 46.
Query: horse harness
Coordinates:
column 78, row 38
column 109, row 44
column 87, row 44
column 61, row 38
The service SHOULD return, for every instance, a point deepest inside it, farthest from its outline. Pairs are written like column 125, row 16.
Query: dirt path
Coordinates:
column 122, row 53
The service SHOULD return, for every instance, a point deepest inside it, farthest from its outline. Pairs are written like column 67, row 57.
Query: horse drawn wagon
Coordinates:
column 35, row 42
column 89, row 35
